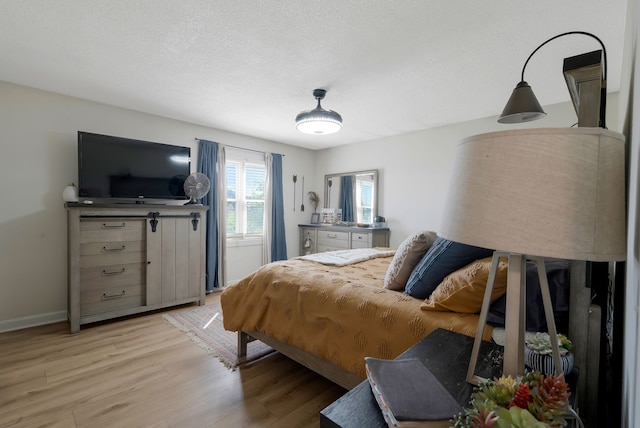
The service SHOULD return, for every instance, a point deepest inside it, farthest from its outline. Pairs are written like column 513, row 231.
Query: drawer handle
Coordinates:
column 106, row 296
column 113, row 225
column 113, row 272
column 359, row 237
column 113, row 250
column 331, row 236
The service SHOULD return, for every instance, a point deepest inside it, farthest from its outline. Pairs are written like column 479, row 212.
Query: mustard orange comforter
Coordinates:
column 341, row 314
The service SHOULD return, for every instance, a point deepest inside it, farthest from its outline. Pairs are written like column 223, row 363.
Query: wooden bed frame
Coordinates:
column 584, row 331
column 321, row 366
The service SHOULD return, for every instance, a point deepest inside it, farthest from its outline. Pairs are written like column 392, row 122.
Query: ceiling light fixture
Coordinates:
column 587, row 72
column 319, row 121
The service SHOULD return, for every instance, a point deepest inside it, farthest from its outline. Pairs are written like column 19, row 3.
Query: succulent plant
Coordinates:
column 481, row 415
column 523, row 396
column 535, row 400
column 550, row 403
column 541, row 343
column 499, row 391
column 516, row 417
column 508, row 382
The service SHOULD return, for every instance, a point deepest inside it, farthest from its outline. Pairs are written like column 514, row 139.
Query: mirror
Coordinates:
column 356, row 193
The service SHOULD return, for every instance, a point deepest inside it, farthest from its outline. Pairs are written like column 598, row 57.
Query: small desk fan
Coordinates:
column 196, row 186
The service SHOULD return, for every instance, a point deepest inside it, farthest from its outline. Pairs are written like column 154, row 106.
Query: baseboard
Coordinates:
column 32, row 321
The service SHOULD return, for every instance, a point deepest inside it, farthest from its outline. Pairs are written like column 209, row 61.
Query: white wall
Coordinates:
column 38, row 140
column 415, row 168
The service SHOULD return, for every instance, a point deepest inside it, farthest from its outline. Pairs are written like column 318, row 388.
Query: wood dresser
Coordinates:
column 126, row 259
column 318, row 238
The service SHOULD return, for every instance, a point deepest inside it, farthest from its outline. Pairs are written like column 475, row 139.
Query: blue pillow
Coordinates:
column 443, row 258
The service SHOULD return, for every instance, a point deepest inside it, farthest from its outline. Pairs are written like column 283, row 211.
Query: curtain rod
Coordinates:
column 249, row 150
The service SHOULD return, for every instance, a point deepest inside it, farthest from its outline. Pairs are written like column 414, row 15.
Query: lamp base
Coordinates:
column 513, row 364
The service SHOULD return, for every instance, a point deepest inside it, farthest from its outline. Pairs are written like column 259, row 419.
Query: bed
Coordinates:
column 329, row 318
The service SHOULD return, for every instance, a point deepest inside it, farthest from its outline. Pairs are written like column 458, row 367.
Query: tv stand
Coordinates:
column 125, row 259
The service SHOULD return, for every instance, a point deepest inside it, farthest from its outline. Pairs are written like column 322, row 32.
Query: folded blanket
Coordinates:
column 348, row 257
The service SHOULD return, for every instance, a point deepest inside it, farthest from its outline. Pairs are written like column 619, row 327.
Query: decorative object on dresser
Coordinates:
column 126, row 259
column 315, row 218
column 70, row 193
column 328, row 238
column 307, row 244
column 314, row 200
column 331, row 215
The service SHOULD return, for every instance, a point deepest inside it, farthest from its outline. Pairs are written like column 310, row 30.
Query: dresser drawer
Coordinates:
column 108, row 298
column 118, row 274
column 111, row 259
column 99, row 230
column 360, row 240
column 111, row 253
column 120, row 247
column 103, row 289
column 329, row 238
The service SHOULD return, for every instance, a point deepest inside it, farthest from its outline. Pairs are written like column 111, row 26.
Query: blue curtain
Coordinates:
column 207, row 164
column 346, row 197
column 278, row 239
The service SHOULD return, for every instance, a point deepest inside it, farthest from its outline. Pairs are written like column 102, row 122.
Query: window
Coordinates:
column 364, row 196
column 245, row 195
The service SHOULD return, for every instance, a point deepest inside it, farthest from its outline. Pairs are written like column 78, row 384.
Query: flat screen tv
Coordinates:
column 123, row 168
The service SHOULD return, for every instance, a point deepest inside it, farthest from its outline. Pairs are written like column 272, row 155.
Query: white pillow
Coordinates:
column 407, row 256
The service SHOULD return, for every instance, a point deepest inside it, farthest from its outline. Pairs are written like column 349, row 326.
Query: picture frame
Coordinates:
column 315, row 218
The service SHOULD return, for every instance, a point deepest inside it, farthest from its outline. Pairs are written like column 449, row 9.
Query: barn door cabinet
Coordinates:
column 126, row 259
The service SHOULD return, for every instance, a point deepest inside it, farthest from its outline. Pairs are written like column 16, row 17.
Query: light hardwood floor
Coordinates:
column 143, row 372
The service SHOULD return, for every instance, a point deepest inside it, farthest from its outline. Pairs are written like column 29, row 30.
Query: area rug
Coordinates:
column 204, row 326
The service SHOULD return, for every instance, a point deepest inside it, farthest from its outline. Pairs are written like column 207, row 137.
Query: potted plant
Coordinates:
column 538, row 353
column 535, row 400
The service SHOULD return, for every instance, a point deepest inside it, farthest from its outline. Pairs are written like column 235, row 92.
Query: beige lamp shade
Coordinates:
column 549, row 192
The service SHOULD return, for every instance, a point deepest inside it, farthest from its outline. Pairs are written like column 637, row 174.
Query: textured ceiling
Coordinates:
column 389, row 67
